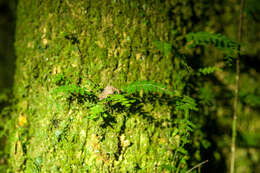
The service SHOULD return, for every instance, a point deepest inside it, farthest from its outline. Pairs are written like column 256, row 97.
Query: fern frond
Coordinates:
column 186, row 103
column 217, row 40
column 118, row 98
column 209, row 70
column 146, row 87
column 96, row 110
column 71, row 89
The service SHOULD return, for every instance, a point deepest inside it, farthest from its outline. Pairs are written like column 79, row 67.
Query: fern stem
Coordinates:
column 234, row 129
column 197, row 166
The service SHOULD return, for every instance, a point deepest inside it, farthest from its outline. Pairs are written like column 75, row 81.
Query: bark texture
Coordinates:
column 96, row 43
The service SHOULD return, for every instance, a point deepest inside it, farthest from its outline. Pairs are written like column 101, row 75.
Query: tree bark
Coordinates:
column 95, row 43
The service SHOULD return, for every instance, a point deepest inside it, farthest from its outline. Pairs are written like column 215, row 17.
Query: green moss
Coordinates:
column 107, row 43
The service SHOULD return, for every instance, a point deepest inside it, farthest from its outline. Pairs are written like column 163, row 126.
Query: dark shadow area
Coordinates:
column 7, row 69
column 250, row 62
column 7, row 55
column 212, row 128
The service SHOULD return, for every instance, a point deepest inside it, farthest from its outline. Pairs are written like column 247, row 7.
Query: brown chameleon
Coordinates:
column 108, row 91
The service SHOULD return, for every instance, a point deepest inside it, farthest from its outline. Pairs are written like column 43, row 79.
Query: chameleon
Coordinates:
column 108, row 90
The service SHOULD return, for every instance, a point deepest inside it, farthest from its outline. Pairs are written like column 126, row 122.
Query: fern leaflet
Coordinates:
column 219, row 41
column 208, row 70
column 146, row 87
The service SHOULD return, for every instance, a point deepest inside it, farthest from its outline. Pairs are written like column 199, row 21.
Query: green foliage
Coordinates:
column 248, row 140
column 251, row 99
column 4, row 96
column 182, row 133
column 120, row 99
column 6, row 102
column 206, row 95
column 252, row 9
column 164, row 47
column 225, row 44
column 85, row 41
column 146, row 87
column 103, row 109
column 60, row 79
column 97, row 110
column 72, row 89
column 68, row 88
column 205, row 38
column 185, row 104
column 209, row 70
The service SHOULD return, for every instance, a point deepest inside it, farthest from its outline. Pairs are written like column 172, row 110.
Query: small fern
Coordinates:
column 146, row 87
column 228, row 46
column 186, row 103
column 208, row 70
column 120, row 99
column 218, row 40
column 96, row 111
column 72, row 89
column 110, row 96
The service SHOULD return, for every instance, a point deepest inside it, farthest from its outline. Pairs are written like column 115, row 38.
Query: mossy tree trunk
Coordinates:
column 94, row 44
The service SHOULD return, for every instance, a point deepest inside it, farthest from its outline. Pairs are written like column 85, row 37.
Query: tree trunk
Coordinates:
column 95, row 44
